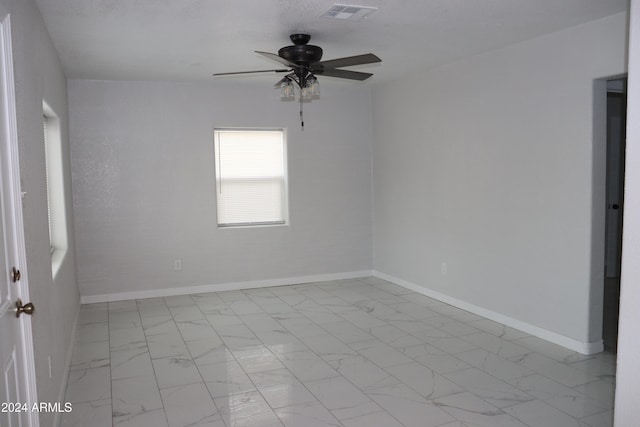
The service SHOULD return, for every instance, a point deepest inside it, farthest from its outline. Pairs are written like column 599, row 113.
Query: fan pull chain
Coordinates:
column 301, row 115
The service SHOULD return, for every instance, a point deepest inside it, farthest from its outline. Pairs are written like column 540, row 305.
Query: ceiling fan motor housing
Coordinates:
column 301, row 53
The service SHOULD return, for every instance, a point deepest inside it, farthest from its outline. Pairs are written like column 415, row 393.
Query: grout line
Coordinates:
column 155, row 377
column 150, row 360
column 213, row 400
column 110, row 361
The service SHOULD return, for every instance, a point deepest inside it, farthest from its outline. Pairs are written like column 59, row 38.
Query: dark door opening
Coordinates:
column 616, row 136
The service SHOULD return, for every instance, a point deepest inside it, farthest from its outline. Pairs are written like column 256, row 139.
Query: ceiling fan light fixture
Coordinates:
column 305, row 94
column 287, row 91
column 314, row 87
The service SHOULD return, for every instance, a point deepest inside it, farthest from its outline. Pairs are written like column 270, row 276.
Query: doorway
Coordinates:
column 616, row 137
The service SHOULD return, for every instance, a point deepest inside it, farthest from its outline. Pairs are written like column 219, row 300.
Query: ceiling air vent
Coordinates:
column 349, row 12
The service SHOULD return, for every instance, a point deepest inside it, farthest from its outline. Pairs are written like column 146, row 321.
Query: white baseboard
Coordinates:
column 564, row 341
column 231, row 286
column 65, row 377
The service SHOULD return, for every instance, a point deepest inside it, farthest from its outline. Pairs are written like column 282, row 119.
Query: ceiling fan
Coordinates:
column 303, row 63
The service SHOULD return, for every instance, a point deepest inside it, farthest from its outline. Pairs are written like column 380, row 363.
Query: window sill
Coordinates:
column 235, row 227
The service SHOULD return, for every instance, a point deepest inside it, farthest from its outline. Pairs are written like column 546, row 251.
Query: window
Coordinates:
column 46, row 129
column 251, row 184
column 54, row 186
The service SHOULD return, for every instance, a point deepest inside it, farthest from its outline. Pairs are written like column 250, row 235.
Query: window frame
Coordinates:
column 285, row 178
column 55, row 189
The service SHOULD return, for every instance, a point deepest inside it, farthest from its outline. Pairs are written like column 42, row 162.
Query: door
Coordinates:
column 616, row 126
column 17, row 388
column 616, row 136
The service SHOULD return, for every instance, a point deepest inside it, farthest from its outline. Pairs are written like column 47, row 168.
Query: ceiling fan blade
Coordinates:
column 343, row 74
column 367, row 58
column 276, row 58
column 252, row 72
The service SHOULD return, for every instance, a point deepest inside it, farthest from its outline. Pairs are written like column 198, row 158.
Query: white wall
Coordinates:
column 39, row 76
column 627, row 411
column 487, row 164
column 144, row 184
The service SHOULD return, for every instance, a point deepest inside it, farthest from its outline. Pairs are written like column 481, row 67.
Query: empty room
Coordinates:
column 286, row 213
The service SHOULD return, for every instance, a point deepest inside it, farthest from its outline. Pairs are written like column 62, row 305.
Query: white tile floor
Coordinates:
column 354, row 353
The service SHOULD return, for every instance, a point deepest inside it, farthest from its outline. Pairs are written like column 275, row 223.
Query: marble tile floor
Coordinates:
column 352, row 353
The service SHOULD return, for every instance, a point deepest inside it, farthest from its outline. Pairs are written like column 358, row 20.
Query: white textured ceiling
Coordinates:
column 188, row 40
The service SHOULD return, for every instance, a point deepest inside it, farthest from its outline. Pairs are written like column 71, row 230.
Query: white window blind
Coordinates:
column 250, row 177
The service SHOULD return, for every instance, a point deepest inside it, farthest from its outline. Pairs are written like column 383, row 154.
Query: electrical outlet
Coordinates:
column 443, row 268
column 177, row 264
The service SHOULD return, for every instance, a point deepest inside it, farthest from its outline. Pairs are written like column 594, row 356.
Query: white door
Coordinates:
column 17, row 388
